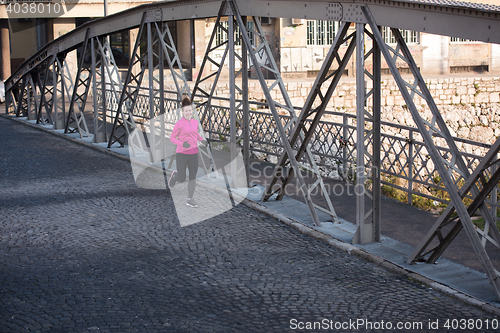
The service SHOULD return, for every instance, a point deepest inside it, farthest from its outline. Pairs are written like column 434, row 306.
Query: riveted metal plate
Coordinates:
column 155, row 15
column 92, row 32
column 40, row 58
column 227, row 10
column 352, row 13
column 59, row 48
column 334, row 12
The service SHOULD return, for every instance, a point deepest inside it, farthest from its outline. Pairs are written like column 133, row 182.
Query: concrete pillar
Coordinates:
column 435, row 54
column 5, row 54
column 203, row 29
column 184, row 43
column 495, row 58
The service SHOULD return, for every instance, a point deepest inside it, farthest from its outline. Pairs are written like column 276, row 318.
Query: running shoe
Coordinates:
column 172, row 179
column 191, row 203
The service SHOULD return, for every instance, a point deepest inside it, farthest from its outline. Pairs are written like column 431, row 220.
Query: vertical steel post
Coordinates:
column 161, row 81
column 376, row 134
column 29, row 87
column 246, row 108
column 100, row 133
column 367, row 161
column 232, row 95
column 40, row 98
column 410, row 168
column 8, row 100
column 108, row 54
column 93, row 72
column 104, row 83
column 363, row 232
column 37, row 94
column 193, row 49
column 62, row 93
column 152, row 134
column 150, row 71
column 494, row 196
column 57, row 101
column 28, row 95
column 345, row 133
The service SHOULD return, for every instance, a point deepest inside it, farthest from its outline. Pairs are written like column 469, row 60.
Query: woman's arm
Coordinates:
column 175, row 133
column 198, row 136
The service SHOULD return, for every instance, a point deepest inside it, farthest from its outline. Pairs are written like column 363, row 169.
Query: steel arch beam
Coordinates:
column 450, row 18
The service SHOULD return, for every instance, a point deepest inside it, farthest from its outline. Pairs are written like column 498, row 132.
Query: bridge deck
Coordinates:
column 403, row 227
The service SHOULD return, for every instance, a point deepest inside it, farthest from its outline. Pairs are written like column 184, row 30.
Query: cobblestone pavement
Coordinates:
column 83, row 249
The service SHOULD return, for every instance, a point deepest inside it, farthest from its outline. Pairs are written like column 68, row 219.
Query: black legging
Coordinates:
column 187, row 161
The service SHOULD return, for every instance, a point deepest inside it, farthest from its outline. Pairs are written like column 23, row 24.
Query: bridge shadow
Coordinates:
column 399, row 221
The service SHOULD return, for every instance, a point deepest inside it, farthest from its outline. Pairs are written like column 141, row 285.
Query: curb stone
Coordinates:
column 306, row 230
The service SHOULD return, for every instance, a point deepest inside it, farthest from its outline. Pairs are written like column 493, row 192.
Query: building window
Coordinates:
column 410, row 37
column 120, row 47
column 462, row 40
column 321, row 32
column 221, row 36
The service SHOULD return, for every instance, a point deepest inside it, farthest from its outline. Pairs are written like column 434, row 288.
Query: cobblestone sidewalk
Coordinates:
column 83, row 249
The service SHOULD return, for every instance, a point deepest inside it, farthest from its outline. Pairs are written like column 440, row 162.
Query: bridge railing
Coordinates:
column 408, row 172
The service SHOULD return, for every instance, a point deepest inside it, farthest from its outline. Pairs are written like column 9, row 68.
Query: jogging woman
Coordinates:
column 185, row 136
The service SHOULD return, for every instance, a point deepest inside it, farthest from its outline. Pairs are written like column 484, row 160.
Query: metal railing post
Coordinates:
column 410, row 168
column 345, row 133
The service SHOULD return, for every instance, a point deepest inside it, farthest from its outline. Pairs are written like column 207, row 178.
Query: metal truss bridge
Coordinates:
column 39, row 90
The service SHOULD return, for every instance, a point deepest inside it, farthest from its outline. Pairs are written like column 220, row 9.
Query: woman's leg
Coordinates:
column 181, row 161
column 192, row 165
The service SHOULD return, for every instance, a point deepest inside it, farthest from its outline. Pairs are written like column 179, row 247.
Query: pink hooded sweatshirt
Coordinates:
column 186, row 130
